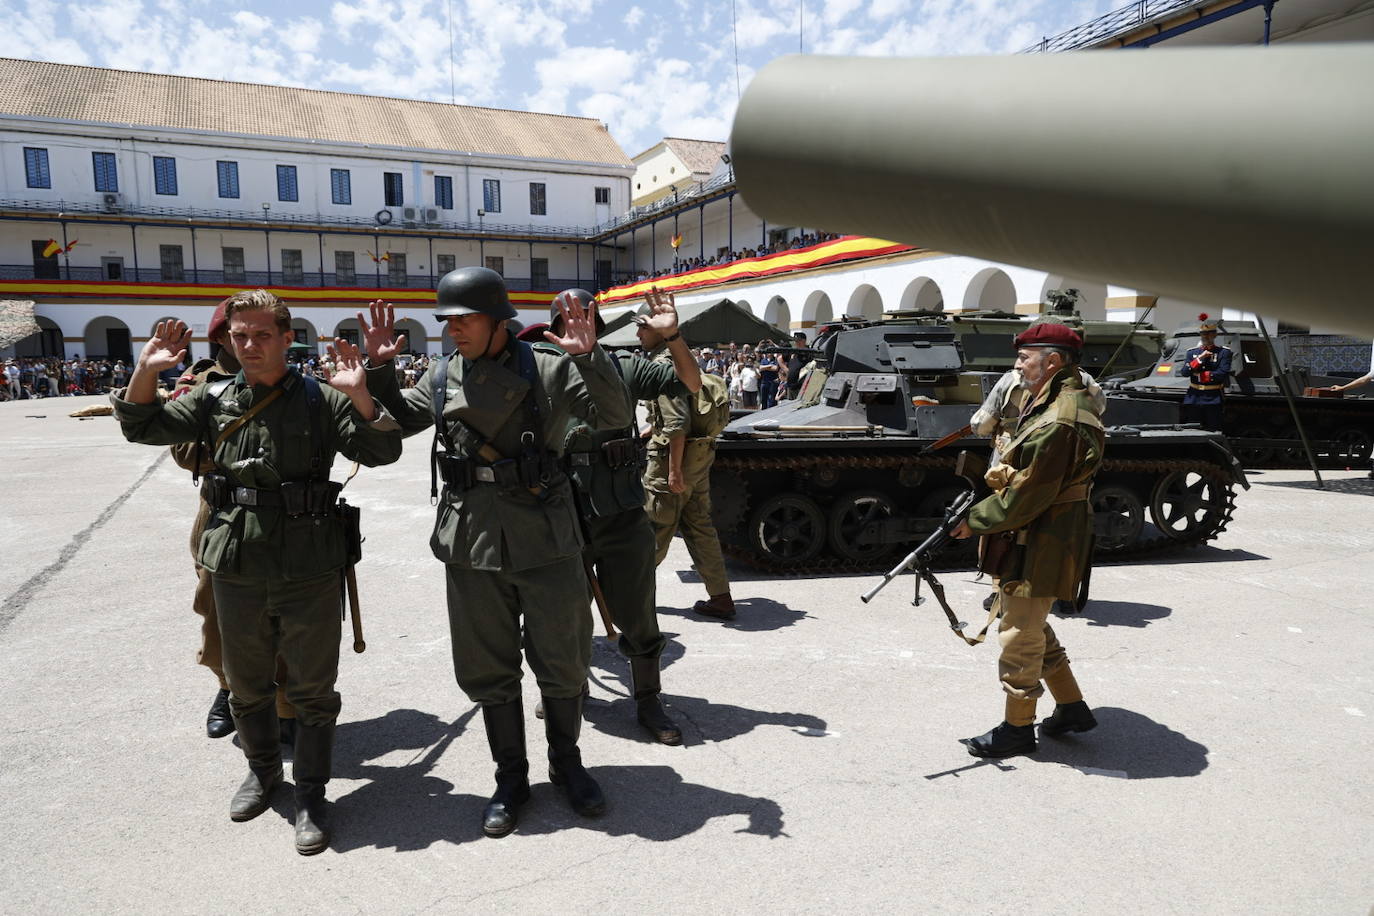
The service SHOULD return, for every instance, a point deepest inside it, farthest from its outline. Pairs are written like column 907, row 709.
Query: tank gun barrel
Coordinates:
column 1234, row 177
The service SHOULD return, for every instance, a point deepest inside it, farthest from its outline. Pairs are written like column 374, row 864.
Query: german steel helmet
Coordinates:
column 586, row 298
column 470, row 290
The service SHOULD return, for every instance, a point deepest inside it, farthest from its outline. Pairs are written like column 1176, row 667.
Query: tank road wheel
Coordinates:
column 1118, row 518
column 788, row 529
column 1352, row 445
column 850, row 515
column 1188, row 506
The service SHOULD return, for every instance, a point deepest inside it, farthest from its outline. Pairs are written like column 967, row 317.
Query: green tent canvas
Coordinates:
column 708, row 324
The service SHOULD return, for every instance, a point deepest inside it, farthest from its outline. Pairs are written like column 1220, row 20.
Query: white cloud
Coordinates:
column 251, row 22
column 596, row 69
column 633, row 18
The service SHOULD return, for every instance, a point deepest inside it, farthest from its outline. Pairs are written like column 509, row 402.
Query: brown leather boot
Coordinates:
column 721, row 607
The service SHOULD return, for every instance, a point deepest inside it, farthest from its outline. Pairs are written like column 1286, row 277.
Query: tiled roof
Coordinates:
column 64, row 91
column 697, row 155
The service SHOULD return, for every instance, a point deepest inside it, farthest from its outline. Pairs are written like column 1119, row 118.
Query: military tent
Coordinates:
column 708, row 324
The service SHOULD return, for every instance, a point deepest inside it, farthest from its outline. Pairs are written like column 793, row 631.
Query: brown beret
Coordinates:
column 1049, row 334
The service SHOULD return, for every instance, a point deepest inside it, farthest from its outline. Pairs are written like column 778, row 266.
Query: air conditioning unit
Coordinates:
column 112, row 201
column 409, row 216
column 431, row 216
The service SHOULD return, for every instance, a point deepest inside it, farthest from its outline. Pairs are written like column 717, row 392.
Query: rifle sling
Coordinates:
column 250, row 414
column 939, row 591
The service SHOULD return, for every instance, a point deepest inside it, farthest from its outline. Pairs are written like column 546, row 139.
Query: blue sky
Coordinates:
column 646, row 69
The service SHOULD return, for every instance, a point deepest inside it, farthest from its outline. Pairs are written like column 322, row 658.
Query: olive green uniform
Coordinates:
column 605, row 472
column 1041, row 491
column 689, row 511
column 276, row 577
column 509, row 552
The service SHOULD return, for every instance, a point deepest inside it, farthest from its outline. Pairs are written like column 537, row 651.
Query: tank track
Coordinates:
column 960, row 559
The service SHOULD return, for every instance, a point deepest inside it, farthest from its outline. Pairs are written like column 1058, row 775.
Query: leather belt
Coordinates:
column 1206, row 387
column 1074, row 494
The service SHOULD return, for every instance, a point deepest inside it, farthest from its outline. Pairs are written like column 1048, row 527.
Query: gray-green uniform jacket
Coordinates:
column 602, row 491
column 485, row 526
column 274, row 447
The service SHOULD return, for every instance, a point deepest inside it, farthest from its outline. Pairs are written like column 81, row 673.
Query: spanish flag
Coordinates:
column 55, row 246
column 677, row 240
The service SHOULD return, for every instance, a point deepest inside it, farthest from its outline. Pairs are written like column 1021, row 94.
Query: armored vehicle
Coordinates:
column 843, row 476
column 1256, row 416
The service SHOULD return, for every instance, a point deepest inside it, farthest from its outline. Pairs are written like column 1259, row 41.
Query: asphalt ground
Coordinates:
column 821, row 770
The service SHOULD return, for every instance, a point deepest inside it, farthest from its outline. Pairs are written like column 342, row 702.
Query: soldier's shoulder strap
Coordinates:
column 314, row 397
column 213, row 392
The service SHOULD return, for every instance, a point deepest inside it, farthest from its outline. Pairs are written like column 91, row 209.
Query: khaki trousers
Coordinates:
column 1030, row 653
column 688, row 512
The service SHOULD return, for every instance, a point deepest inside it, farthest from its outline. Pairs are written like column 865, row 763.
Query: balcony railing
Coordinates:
column 1108, row 25
column 272, row 218
column 250, row 279
column 702, row 189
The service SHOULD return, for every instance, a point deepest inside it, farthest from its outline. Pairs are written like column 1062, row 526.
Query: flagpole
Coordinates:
column 66, row 250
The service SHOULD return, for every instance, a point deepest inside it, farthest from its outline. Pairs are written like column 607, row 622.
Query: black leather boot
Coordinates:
column 258, row 736
column 506, row 737
column 721, row 607
column 1005, row 740
column 562, row 726
column 313, row 762
column 288, row 731
column 220, row 721
column 644, row 678
column 1069, row 717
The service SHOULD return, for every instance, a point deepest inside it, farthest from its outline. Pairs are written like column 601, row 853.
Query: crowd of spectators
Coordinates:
column 683, row 265
column 51, row 376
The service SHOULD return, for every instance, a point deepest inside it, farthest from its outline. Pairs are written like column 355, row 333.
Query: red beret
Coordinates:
column 218, row 322
column 534, row 333
column 1049, row 334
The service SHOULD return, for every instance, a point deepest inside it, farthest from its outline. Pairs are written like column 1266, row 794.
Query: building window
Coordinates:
column 233, row 265
column 443, row 192
column 292, row 270
column 539, row 273
column 340, row 186
column 287, row 189
column 445, row 263
column 537, row 205
column 164, row 175
column 173, row 270
column 345, row 272
column 228, row 174
column 396, row 268
column 497, row 264
column 603, row 195
column 393, row 189
column 44, row 266
column 106, row 175
column 36, row 167
column 491, row 195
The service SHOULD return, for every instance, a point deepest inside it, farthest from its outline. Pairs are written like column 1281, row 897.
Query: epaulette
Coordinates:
column 543, row 346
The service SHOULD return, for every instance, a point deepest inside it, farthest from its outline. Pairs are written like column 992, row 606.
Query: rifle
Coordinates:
column 971, row 468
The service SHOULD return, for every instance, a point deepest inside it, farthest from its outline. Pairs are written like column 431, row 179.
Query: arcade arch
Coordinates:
column 866, row 303
column 990, row 288
column 349, row 330
column 922, row 293
column 817, row 309
column 107, row 338
column 305, row 333
column 778, row 313
column 46, row 342
column 415, row 335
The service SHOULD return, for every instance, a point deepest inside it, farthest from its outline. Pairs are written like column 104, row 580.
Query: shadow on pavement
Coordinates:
column 647, row 801
column 752, row 615
column 1187, row 555
column 402, row 807
column 1126, row 745
column 1119, row 613
column 1361, row 485
column 700, row 719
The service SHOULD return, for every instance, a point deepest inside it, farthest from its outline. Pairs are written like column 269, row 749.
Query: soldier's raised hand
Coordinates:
column 579, row 325
column 380, row 336
column 167, row 347
column 662, row 315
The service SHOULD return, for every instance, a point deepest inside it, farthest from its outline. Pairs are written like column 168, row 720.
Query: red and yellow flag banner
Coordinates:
column 848, row 248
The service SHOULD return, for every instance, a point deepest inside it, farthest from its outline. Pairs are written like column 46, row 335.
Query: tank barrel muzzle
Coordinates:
column 1235, row 177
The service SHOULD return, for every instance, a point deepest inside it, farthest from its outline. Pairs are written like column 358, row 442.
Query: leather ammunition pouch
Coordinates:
column 1002, row 555
column 532, row 470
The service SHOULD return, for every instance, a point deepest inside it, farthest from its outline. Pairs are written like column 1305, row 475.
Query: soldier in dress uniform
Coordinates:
column 507, row 529
column 1208, row 370
column 605, row 470
column 682, row 448
column 219, row 722
column 276, row 545
column 1041, row 491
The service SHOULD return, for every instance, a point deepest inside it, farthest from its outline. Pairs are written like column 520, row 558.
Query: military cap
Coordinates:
column 1049, row 334
column 218, row 322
